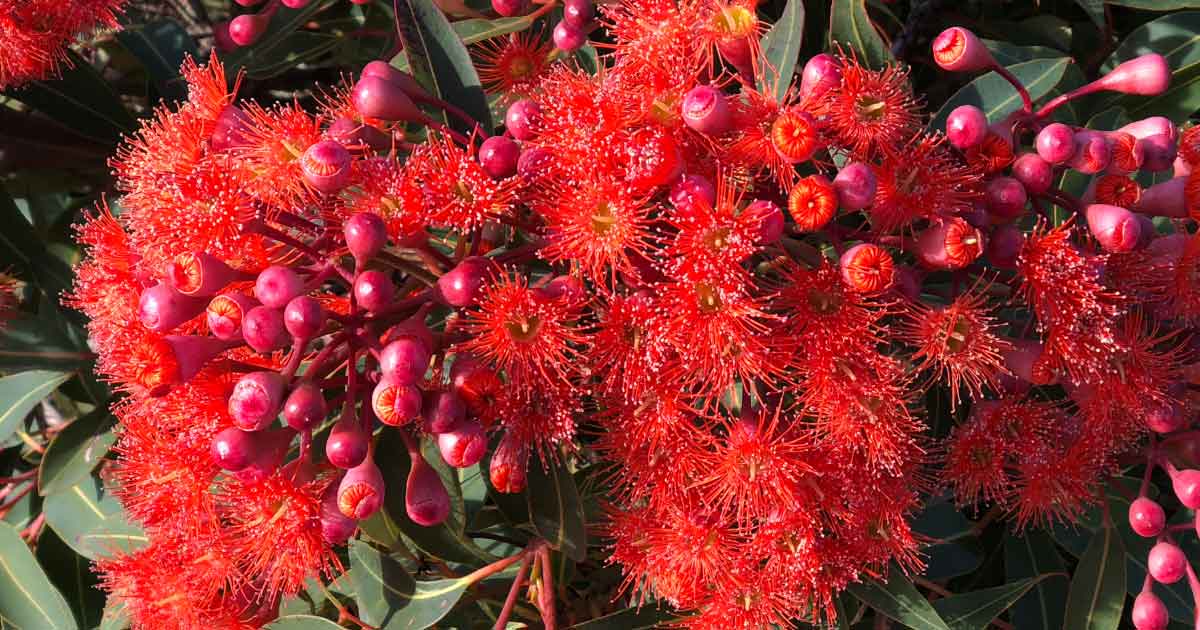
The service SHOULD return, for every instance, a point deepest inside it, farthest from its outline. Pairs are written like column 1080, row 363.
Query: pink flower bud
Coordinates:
column 443, row 411
column 1005, row 245
column 867, row 268
column 189, row 353
column 1149, row 613
column 425, row 498
column 1034, row 173
column 691, row 190
column 356, row 135
column 1115, row 228
column 336, row 528
column 1092, row 152
column 373, row 290
column 1152, row 126
column 246, row 29
column 821, row 73
column 256, row 400
column 534, row 163
column 374, row 97
column 348, row 442
column 199, row 274
column 567, row 288
column 1165, row 417
column 958, row 50
column 395, row 403
column 326, row 166
column 1147, row 75
column 360, row 494
column 768, row 218
column 908, row 282
column 1021, row 360
column 263, row 329
column 399, row 78
column 271, row 447
column 568, row 38
column 498, row 156
column 277, row 285
column 1164, row 199
column 578, row 13
column 507, row 468
column 305, row 407
column 966, row 126
column 523, row 119
column 464, row 446
column 233, row 448
column 1166, row 563
column 161, row 308
column 1128, row 153
column 855, row 186
column 460, row 286
column 1055, row 143
column 304, row 317
column 706, row 110
column 1186, row 484
column 1006, row 198
column 1146, row 518
column 949, row 244
column 366, row 236
column 405, row 360
column 225, row 314
column 511, row 8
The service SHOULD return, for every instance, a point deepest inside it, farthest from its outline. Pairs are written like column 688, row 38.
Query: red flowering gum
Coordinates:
column 867, row 268
column 921, row 179
column 35, row 34
column 872, row 109
column 812, row 203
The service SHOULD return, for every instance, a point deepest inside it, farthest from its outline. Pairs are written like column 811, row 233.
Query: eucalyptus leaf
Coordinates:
column 21, row 392
column 89, row 519
column 850, row 26
column 302, row 622
column 781, row 49
column 898, row 599
column 80, row 100
column 976, row 610
column 476, row 30
column 76, row 450
column 643, row 618
column 1008, row 53
column 72, row 575
column 1096, row 599
column 997, row 97
column 1156, row 5
column 554, row 506
column 28, row 601
column 388, row 597
column 161, row 46
column 1030, row 554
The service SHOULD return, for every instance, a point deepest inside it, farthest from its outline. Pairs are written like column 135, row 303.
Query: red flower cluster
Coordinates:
column 35, row 34
column 619, row 260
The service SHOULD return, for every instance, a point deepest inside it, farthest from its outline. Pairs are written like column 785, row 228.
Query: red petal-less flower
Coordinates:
column 871, row 110
column 920, row 180
column 35, row 34
column 512, row 66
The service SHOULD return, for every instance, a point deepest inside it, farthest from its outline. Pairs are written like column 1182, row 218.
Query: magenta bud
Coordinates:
column 222, row 42
column 443, row 411
column 374, row 97
column 705, row 109
column 1055, row 143
column 1146, row 518
column 1165, row 417
column 326, row 166
column 1034, row 173
column 966, row 126
column 373, row 290
column 1005, row 245
column 958, row 50
column 1186, row 484
column 1159, row 153
column 360, row 494
column 691, row 190
column 568, row 38
column 413, row 327
column 366, row 235
column 399, row 78
column 498, row 156
column 296, row 4
column 1166, row 563
column 1006, row 198
column 161, row 308
column 256, row 400
column 405, row 360
column 225, row 314
column 1164, row 199
column 395, row 403
column 1146, row 75
column 507, row 468
column 264, row 330
column 199, row 274
column 230, row 128
column 304, row 317
column 523, row 119
column 511, row 8
column 336, row 528
column 1152, row 126
column 534, row 162
column 233, row 448
column 1115, row 228
column 768, row 218
column 425, row 498
column 353, row 134
column 277, row 285
column 348, row 442
column 305, row 407
column 460, row 286
column 271, row 448
column 1149, row 613
column 464, row 446
column 855, row 186
column 578, row 13
column 246, row 29
column 568, row 288
column 1092, row 152
column 821, row 73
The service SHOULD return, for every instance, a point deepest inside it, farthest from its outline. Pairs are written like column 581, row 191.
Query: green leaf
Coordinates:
column 475, row 30
column 1097, row 596
column 20, row 247
column 1094, row 10
column 977, row 609
column 1029, row 555
column 898, row 599
column 28, row 601
column 438, row 59
column 302, row 622
column 781, row 49
column 82, row 101
column 1008, row 53
column 1175, row 38
column 115, row 617
column 284, row 23
column 20, row 393
column 72, row 575
column 997, row 97
column 161, row 46
column 91, row 520
column 76, row 450
column 557, row 514
column 642, row 618
column 295, row 49
column 1156, row 5
column 850, row 26
column 390, row 598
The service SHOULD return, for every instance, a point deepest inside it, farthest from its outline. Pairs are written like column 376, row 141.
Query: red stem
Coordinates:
column 511, row 601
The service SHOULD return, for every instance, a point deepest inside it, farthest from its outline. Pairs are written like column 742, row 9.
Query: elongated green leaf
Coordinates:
column 390, row 598
column 297, row 48
column 439, row 60
column 26, row 253
column 553, row 502
column 977, row 609
column 898, row 599
column 28, row 601
column 81, row 100
column 161, row 46
column 781, row 49
column 997, row 97
column 1029, row 555
column 1008, row 53
column 20, row 393
column 642, row 618
column 91, row 521
column 71, row 574
column 952, row 551
column 115, row 617
column 850, row 26
column 1097, row 596
column 1156, row 5
column 75, row 451
column 475, row 30
column 302, row 622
